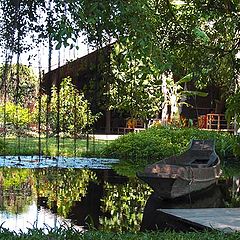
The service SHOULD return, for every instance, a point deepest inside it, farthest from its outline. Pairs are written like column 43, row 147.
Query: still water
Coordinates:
column 99, row 198
column 83, row 197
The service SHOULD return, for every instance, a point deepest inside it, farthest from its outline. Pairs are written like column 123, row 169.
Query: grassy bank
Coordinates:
column 150, row 145
column 135, row 151
column 63, row 234
column 157, row 143
column 67, row 146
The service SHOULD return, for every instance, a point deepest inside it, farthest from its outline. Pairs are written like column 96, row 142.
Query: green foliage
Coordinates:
column 158, row 36
column 157, row 143
column 12, row 182
column 70, row 186
column 233, row 108
column 74, row 112
column 14, row 177
column 2, row 144
column 175, row 96
column 69, row 112
column 72, row 234
column 201, row 35
column 137, row 88
column 19, row 84
column 18, row 87
column 125, row 203
column 15, row 115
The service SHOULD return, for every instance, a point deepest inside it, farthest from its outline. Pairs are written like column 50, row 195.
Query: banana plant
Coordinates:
column 175, row 95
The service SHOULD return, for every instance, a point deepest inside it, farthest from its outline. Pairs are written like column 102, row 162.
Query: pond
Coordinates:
column 89, row 197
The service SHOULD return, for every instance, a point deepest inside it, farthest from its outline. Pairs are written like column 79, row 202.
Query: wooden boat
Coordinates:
column 196, row 169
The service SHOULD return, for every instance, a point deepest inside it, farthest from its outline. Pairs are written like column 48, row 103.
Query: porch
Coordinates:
column 214, row 122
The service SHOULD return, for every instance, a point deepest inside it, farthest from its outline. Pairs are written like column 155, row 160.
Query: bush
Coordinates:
column 15, row 115
column 157, row 143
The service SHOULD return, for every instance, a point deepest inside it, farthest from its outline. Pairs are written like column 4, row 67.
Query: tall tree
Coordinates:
column 28, row 84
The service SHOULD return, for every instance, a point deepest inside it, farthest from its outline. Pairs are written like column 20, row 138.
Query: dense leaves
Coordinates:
column 64, row 188
column 24, row 92
column 14, row 115
column 137, row 88
column 233, row 110
column 13, row 181
column 67, row 110
column 125, row 203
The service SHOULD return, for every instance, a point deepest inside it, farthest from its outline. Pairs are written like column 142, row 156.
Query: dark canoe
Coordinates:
column 196, row 169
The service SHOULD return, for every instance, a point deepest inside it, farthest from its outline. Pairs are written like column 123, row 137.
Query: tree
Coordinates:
column 175, row 97
column 69, row 111
column 178, row 36
column 137, row 85
column 14, row 115
column 190, row 37
column 24, row 92
column 233, row 109
column 18, row 95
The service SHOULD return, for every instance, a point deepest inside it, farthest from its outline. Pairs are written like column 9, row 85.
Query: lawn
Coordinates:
column 67, row 146
column 72, row 234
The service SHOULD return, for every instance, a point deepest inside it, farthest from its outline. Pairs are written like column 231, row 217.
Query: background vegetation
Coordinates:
column 155, row 39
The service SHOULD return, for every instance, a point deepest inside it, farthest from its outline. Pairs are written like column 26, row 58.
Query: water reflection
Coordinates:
column 88, row 197
column 96, row 198
column 153, row 219
column 224, row 194
column 33, row 216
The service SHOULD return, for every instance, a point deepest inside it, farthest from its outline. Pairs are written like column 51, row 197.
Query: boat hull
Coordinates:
column 170, row 188
column 196, row 169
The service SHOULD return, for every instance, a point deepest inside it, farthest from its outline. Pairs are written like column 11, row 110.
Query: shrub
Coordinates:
column 15, row 115
column 157, row 143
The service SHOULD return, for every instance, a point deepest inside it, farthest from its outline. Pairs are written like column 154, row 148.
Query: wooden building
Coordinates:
column 92, row 75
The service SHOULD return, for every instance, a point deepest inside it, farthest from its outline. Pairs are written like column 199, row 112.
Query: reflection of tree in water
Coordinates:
column 153, row 219
column 16, row 187
column 62, row 187
column 225, row 194
column 123, row 206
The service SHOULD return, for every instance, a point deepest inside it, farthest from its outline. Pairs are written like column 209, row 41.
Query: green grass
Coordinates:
column 30, row 146
column 70, row 234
